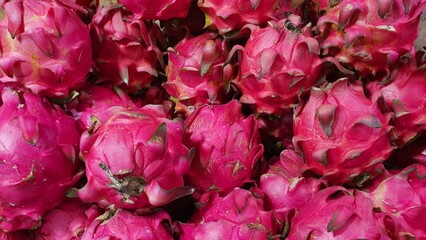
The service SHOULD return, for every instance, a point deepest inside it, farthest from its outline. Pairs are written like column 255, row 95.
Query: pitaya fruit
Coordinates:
column 286, row 190
column 94, row 104
column 231, row 16
column 195, row 75
column 336, row 213
column 124, row 50
column 18, row 235
column 276, row 64
column 68, row 221
column 38, row 150
column 403, row 195
column 44, row 46
column 238, row 215
column 227, row 147
column 160, row 10
column 121, row 224
column 342, row 134
column 405, row 96
column 135, row 159
column 369, row 35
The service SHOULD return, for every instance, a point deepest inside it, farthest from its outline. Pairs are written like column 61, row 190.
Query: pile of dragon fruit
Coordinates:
column 212, row 119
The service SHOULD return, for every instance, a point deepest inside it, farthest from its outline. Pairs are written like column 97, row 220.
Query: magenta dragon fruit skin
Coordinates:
column 285, row 188
column 121, row 224
column 227, row 147
column 45, row 47
column 369, row 35
column 135, row 159
column 230, row 16
column 17, row 235
column 238, row 215
column 161, row 10
column 38, row 148
column 124, row 50
column 95, row 104
column 195, row 73
column 67, row 221
column 342, row 134
column 336, row 213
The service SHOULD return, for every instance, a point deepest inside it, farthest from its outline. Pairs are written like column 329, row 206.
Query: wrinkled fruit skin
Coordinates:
column 227, row 147
column 229, row 16
column 38, row 151
column 67, row 221
column 44, row 47
column 369, row 35
column 335, row 213
column 238, row 215
column 95, row 104
column 342, row 134
column 402, row 195
column 161, row 10
column 277, row 63
column 285, row 188
column 126, row 225
column 405, row 96
column 124, row 50
column 135, row 159
column 195, row 75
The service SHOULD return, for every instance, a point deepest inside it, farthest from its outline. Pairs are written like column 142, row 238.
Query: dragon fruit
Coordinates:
column 121, row 224
column 161, row 10
column 195, row 75
column 403, row 195
column 44, row 47
column 276, row 64
column 285, row 188
column 336, row 213
column 230, row 16
column 67, row 221
column 18, row 235
column 369, row 35
column 135, row 159
column 402, row 96
column 38, row 149
column 96, row 103
column 342, row 134
column 238, row 215
column 227, row 147
column 124, row 49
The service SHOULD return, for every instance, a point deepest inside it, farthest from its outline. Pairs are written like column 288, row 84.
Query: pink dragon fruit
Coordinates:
column 335, row 213
column 160, row 10
column 124, row 49
column 18, row 235
column 135, row 159
column 369, row 35
column 44, row 46
column 403, row 195
column 238, row 215
column 405, row 96
column 229, row 16
column 342, row 134
column 227, row 147
column 38, row 149
column 121, row 224
column 195, row 75
column 276, row 64
column 285, row 188
column 95, row 104
column 67, row 221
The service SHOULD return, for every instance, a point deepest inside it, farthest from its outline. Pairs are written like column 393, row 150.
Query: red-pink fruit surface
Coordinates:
column 121, row 224
column 342, row 134
column 44, row 46
column 160, row 10
column 135, row 159
column 124, row 50
column 38, row 152
column 227, row 147
column 195, row 73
